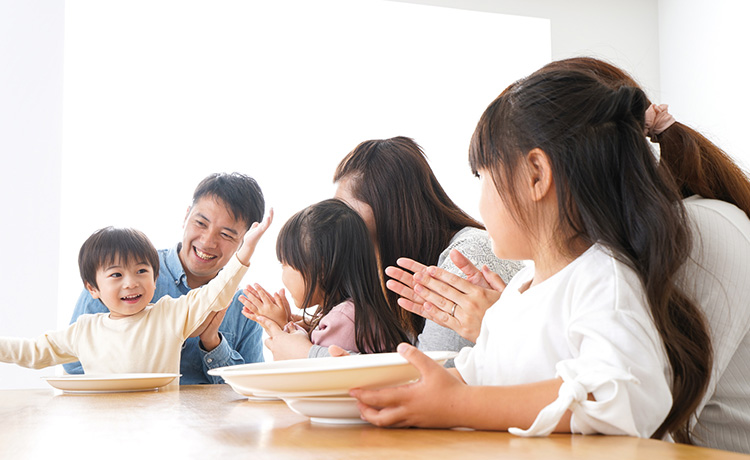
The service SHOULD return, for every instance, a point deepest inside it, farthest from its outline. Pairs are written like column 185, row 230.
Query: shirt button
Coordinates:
column 209, row 360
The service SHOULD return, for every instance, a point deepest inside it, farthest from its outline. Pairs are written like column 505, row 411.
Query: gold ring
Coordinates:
column 453, row 310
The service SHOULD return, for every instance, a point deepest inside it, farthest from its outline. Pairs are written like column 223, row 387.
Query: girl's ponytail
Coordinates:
column 700, row 167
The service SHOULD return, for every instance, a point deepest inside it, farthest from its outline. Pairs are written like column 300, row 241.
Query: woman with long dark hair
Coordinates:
column 409, row 215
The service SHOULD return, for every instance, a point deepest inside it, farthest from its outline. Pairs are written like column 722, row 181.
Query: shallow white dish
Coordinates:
column 337, row 410
column 324, row 376
column 111, row 382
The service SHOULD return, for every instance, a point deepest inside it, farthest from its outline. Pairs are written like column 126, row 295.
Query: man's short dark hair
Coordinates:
column 109, row 243
column 239, row 192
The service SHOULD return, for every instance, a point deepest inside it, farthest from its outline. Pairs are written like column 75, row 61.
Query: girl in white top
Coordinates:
column 588, row 339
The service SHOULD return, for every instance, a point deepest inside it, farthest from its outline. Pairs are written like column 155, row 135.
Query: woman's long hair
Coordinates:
column 329, row 245
column 414, row 217
column 610, row 191
column 698, row 165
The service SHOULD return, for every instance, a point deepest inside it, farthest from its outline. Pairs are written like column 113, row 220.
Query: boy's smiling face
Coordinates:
column 124, row 288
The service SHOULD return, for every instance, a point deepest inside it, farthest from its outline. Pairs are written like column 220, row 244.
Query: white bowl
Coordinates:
column 338, row 410
column 324, row 376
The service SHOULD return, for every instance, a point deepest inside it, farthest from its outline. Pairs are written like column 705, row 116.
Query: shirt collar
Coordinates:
column 173, row 264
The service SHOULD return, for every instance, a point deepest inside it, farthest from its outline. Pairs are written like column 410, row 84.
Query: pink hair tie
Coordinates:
column 658, row 119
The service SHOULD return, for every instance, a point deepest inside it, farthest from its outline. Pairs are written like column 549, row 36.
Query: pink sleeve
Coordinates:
column 337, row 328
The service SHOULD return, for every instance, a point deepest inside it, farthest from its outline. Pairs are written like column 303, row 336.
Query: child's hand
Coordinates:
column 251, row 238
column 259, row 302
column 284, row 345
column 414, row 404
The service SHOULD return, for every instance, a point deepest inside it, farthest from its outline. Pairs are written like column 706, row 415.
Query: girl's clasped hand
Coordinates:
column 273, row 313
column 259, row 302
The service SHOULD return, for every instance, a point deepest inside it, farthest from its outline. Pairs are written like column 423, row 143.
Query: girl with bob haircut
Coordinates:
column 329, row 268
column 595, row 336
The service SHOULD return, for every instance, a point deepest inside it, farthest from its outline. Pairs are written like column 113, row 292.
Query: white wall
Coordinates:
column 704, row 49
column 30, row 107
column 31, row 81
column 622, row 32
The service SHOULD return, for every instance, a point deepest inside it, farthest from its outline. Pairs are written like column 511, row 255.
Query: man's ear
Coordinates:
column 540, row 173
column 92, row 290
column 187, row 213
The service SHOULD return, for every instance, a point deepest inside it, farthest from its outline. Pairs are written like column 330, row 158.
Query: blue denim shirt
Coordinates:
column 241, row 338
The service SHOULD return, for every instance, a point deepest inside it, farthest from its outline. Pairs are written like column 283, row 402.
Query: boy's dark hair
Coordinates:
column 107, row 244
column 240, row 193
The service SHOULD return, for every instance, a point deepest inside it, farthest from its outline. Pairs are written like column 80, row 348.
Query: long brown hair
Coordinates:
column 698, row 165
column 414, row 217
column 611, row 192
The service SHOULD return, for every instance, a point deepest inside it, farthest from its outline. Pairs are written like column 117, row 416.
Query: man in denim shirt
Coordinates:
column 223, row 208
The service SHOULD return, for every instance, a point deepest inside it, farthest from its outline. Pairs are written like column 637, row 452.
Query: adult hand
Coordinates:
column 284, row 345
column 252, row 237
column 259, row 302
column 209, row 330
column 445, row 298
column 415, row 404
column 336, row 351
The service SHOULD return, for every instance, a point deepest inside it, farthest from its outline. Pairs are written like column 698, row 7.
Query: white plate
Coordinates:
column 110, row 382
column 327, row 409
column 324, row 376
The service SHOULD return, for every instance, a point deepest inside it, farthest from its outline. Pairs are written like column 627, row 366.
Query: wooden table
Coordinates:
column 212, row 421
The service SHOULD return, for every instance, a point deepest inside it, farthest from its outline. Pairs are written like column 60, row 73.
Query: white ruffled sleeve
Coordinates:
column 611, row 416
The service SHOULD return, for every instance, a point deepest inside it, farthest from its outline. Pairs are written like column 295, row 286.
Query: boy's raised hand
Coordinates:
column 251, row 238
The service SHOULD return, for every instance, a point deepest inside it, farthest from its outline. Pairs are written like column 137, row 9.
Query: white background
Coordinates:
column 278, row 90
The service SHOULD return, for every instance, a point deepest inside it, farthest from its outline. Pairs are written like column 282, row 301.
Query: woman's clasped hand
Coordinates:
column 445, row 298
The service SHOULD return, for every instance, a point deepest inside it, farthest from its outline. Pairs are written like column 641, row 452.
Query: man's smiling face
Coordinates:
column 212, row 235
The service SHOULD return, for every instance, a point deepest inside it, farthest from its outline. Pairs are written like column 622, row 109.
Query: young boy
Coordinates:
column 223, row 207
column 120, row 267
